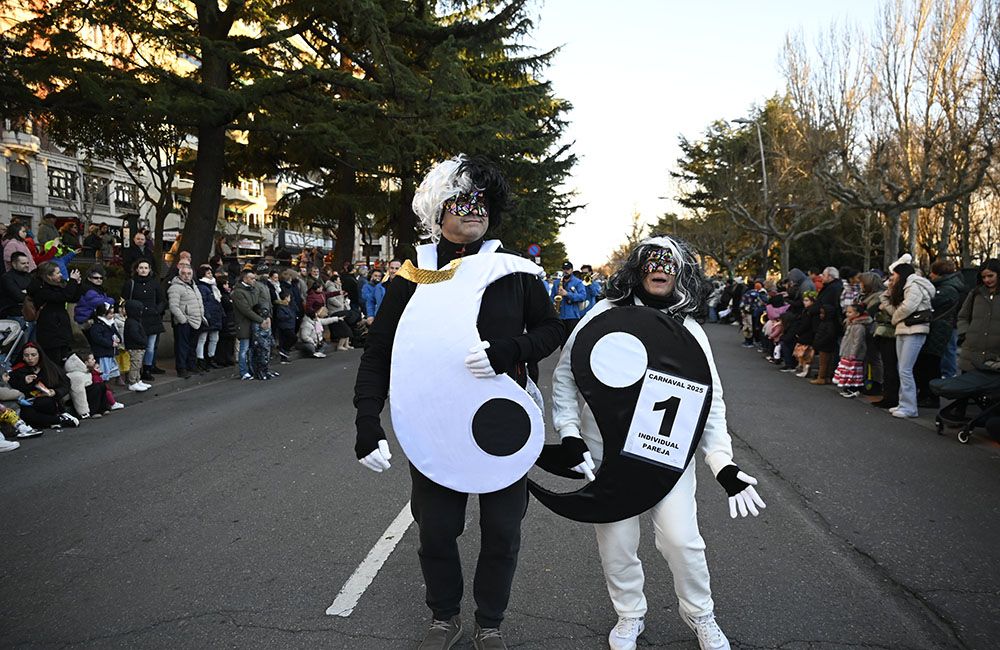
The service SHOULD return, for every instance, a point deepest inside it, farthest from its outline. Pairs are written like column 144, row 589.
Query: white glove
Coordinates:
column 478, row 362
column 378, row 460
column 747, row 501
column 586, row 467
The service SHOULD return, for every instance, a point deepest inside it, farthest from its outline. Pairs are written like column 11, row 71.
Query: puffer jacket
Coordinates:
column 79, row 378
column 917, row 295
column 186, row 306
column 946, row 303
column 88, row 302
column 214, row 313
column 855, row 333
column 308, row 329
column 979, row 322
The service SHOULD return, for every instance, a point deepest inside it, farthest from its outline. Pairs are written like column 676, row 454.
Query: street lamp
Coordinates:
column 760, row 141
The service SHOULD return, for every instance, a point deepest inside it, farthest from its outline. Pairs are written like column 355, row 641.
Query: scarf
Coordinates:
column 215, row 289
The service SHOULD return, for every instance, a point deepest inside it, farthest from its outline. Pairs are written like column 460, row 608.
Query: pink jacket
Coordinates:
column 14, row 245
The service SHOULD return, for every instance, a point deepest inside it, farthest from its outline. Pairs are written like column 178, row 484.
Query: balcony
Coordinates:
column 236, row 197
column 182, row 186
column 20, row 142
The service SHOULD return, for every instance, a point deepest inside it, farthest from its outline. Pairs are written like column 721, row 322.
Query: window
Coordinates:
column 126, row 195
column 95, row 189
column 20, row 178
column 62, row 184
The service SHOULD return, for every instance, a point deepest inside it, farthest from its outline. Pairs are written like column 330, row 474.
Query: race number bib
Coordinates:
column 665, row 420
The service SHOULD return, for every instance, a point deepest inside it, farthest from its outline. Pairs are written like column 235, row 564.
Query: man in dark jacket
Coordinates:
column 457, row 201
column 951, row 293
column 245, row 300
column 136, row 252
column 829, row 295
column 13, row 287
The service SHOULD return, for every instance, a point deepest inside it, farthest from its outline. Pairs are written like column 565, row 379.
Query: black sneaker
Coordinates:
column 487, row 638
column 442, row 634
column 156, row 370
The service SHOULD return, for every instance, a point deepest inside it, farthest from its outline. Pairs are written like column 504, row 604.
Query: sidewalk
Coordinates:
column 728, row 336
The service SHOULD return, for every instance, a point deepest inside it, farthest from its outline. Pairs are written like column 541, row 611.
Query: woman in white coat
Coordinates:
column 660, row 273
column 908, row 301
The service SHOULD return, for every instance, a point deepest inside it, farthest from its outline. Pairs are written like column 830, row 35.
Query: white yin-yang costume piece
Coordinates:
column 438, row 407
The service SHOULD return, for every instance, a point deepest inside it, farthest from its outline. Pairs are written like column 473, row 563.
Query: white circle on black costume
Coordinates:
column 618, row 360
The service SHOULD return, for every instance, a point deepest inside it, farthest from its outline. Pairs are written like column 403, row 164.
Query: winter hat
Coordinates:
column 906, row 258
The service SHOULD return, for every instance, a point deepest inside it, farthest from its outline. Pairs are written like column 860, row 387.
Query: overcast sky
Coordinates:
column 641, row 72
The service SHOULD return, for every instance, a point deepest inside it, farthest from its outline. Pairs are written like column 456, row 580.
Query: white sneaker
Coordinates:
column 710, row 636
column 144, row 384
column 24, row 430
column 903, row 414
column 117, row 406
column 8, row 445
column 68, row 420
column 802, row 373
column 318, row 355
column 247, row 377
column 623, row 636
column 138, row 387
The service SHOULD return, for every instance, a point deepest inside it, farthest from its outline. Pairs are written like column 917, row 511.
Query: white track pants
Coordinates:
column 675, row 526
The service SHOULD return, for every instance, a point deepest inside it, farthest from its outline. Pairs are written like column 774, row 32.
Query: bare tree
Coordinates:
column 910, row 111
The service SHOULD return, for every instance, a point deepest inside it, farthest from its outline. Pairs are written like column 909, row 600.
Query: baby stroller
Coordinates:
column 11, row 342
column 980, row 387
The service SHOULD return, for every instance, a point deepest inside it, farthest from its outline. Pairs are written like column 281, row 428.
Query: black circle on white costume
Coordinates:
column 501, row 427
column 626, row 486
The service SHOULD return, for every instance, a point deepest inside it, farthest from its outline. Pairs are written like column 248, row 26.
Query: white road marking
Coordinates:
column 358, row 583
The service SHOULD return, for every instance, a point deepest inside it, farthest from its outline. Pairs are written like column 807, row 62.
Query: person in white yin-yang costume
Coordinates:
column 660, row 273
column 450, row 346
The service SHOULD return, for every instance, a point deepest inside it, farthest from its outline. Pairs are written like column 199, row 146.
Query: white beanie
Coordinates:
column 906, row 258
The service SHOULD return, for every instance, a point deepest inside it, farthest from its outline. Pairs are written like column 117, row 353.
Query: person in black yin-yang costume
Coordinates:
column 660, row 273
column 456, row 202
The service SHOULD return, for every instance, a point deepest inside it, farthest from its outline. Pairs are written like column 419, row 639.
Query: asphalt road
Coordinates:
column 229, row 515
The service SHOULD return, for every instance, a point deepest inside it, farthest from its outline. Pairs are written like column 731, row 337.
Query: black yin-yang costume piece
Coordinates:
column 649, row 385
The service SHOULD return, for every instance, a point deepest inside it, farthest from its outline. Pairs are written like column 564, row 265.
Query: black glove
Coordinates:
column 728, row 480
column 503, row 355
column 370, row 431
column 562, row 458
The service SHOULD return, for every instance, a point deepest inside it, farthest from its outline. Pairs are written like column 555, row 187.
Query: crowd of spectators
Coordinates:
column 220, row 315
column 880, row 336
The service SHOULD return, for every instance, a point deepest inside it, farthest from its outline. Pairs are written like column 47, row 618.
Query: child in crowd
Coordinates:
column 773, row 328
column 825, row 344
column 311, row 330
column 850, row 373
column 104, row 341
column 806, row 330
column 135, row 343
column 284, row 324
column 103, row 391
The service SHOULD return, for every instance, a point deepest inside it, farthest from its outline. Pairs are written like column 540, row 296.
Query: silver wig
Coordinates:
column 455, row 176
column 691, row 289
